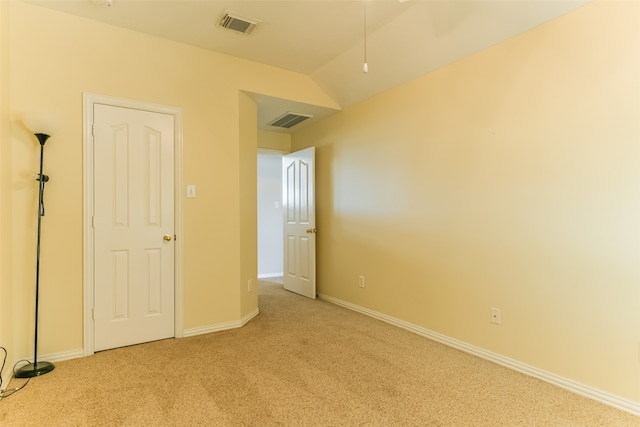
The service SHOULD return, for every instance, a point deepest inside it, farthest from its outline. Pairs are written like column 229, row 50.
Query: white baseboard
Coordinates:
column 270, row 275
column 6, row 377
column 65, row 355
column 220, row 326
column 565, row 383
column 58, row 357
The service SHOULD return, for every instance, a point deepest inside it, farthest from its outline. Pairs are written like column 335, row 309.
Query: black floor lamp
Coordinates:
column 42, row 126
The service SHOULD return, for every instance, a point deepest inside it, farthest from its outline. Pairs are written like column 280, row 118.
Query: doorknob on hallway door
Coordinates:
column 312, row 230
column 167, row 238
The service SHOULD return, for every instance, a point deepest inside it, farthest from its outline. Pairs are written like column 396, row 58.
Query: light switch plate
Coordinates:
column 191, row 191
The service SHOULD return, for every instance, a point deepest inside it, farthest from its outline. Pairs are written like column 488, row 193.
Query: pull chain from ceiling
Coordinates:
column 365, row 67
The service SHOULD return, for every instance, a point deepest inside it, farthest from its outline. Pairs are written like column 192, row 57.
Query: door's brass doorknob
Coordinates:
column 167, row 238
column 311, row 230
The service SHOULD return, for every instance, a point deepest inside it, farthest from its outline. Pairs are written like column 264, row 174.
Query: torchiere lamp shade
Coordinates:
column 41, row 123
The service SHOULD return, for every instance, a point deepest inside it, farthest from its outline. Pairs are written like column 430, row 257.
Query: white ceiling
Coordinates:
column 325, row 38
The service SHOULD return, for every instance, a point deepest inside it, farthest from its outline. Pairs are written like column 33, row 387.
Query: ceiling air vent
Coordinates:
column 289, row 120
column 235, row 22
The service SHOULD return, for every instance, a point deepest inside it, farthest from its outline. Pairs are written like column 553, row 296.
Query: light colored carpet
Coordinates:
column 298, row 363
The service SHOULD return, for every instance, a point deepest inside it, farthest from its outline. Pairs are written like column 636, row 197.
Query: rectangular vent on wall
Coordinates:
column 233, row 21
column 289, row 120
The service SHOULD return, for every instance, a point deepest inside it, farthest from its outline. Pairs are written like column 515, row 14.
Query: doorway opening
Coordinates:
column 270, row 248
column 286, row 220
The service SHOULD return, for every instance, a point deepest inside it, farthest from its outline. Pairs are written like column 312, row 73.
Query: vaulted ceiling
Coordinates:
column 325, row 39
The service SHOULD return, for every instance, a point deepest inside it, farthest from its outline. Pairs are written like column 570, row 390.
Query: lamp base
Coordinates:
column 33, row 370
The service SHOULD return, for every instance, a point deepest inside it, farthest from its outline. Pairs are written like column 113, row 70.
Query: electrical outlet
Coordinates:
column 495, row 315
column 361, row 281
column 249, row 285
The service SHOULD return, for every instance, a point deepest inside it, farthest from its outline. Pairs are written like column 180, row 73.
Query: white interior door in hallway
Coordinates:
column 133, row 226
column 298, row 198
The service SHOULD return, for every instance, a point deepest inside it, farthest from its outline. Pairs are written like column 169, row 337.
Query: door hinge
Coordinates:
column 93, row 129
column 93, row 224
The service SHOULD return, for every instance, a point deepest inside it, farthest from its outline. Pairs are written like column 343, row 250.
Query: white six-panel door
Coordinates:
column 298, row 201
column 133, row 226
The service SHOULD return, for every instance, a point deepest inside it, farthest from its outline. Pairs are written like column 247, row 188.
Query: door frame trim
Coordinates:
column 89, row 99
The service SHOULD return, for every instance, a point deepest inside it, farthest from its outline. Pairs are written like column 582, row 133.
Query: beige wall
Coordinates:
column 509, row 179
column 52, row 59
column 276, row 141
column 6, row 258
column 248, row 204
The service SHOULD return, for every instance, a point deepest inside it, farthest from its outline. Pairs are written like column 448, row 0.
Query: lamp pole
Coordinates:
column 38, row 368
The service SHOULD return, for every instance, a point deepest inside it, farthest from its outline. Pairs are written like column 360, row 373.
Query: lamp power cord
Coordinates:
column 8, row 392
